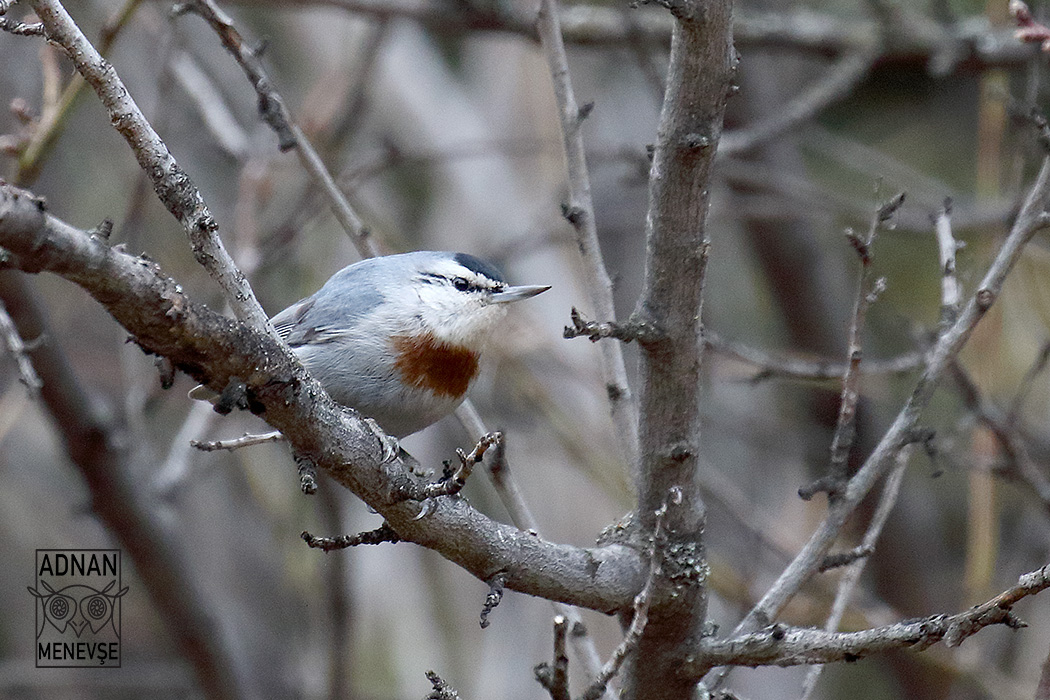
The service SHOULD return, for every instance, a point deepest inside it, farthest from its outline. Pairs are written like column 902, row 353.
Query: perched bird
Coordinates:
column 399, row 337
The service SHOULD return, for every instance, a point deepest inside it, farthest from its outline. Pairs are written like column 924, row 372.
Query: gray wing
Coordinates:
column 328, row 315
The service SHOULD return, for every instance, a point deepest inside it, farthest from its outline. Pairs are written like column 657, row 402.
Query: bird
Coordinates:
column 399, row 337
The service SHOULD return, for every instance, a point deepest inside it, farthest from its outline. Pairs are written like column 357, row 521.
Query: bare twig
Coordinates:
column 849, row 580
column 245, row 440
column 948, row 345
column 274, row 112
column 442, row 690
column 383, row 533
column 21, row 28
column 172, row 184
column 453, row 482
column 580, row 213
column 555, row 676
column 867, row 292
column 782, row 645
column 494, row 596
column 633, row 329
column 629, row 643
column 20, row 352
column 951, row 290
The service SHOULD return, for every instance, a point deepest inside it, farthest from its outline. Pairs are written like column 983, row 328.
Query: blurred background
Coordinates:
column 439, row 119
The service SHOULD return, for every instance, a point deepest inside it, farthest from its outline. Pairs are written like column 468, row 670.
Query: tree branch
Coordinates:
column 579, row 211
column 698, row 85
column 781, row 645
column 172, row 185
column 1029, row 220
column 213, row 348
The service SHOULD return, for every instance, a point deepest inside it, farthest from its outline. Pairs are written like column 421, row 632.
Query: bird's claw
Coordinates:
column 426, row 508
column 389, row 443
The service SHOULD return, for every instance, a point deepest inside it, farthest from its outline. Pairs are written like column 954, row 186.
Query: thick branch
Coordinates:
column 698, row 84
column 216, row 350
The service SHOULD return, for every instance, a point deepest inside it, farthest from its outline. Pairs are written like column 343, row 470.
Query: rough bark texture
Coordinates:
column 216, row 350
column 690, row 126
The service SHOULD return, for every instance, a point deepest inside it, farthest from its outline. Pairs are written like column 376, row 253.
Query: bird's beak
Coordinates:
column 518, row 293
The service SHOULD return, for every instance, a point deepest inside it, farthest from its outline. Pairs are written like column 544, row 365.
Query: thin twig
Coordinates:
column 453, row 482
column 867, row 292
column 641, row 615
column 951, row 290
column 555, row 677
column 173, row 185
column 21, row 28
column 772, row 365
column 1030, row 219
column 580, row 213
column 782, row 645
column 276, row 115
column 383, row 533
column 849, row 580
column 20, row 352
column 245, row 440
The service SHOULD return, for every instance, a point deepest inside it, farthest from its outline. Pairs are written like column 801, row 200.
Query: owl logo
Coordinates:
column 77, row 607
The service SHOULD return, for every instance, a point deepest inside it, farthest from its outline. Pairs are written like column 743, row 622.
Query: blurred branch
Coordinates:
column 920, row 41
column 214, row 349
column 949, row 343
column 771, row 365
column 99, row 449
column 851, row 577
column 275, row 114
column 172, row 185
column 53, row 122
column 579, row 211
column 1022, row 466
column 19, row 351
column 782, row 645
column 839, row 81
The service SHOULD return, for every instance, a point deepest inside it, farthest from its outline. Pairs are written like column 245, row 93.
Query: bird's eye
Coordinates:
column 461, row 284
